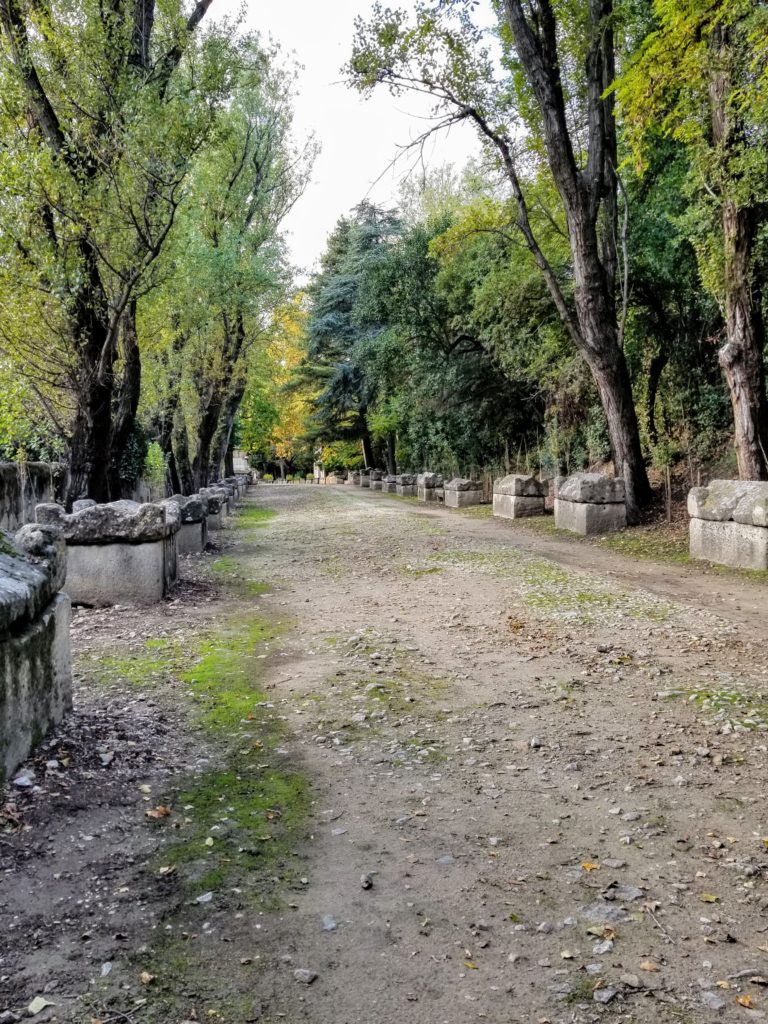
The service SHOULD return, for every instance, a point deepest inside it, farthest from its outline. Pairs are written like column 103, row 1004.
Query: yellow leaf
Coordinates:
column 158, row 812
column 708, row 897
column 146, row 978
column 649, row 965
column 471, row 966
column 723, row 984
column 745, row 1001
column 589, row 865
column 209, row 841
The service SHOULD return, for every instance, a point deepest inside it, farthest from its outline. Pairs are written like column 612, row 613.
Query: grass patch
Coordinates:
column 230, row 569
column 149, row 667
column 650, row 543
column 735, row 708
column 253, row 516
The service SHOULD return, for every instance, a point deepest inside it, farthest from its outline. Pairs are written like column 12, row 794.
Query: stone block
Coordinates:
column 192, row 537
column 743, row 501
column 589, row 518
column 729, row 543
column 406, row 490
column 520, row 485
column 590, row 489
column 462, row 499
column 429, row 494
column 35, row 669
column 376, row 485
column 365, row 480
column 516, row 506
column 389, row 485
column 99, row 575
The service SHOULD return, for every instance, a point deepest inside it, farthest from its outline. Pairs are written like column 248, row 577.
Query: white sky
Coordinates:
column 359, row 138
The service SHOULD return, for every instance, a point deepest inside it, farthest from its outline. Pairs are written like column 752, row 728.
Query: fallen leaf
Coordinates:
column 161, row 811
column 471, row 966
column 167, row 869
column 209, row 841
column 37, row 1005
column 146, row 978
column 723, row 984
column 745, row 1001
column 589, row 865
column 649, row 965
column 708, row 897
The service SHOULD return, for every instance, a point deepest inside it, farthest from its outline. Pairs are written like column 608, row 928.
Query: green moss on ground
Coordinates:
column 252, row 517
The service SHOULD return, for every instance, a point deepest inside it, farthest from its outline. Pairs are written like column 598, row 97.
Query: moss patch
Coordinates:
column 252, row 517
column 231, row 570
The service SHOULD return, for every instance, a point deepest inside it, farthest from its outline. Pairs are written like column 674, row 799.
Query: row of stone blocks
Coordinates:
column 118, row 553
column 124, row 552
column 585, row 503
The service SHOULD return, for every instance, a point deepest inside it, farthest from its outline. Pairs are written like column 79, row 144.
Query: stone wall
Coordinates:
column 24, row 485
column 35, row 669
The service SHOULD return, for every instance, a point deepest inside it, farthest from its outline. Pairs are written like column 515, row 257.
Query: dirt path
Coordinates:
column 454, row 770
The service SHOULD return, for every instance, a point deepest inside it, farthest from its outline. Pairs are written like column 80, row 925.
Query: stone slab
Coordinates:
column 521, row 485
column 743, row 501
column 463, row 498
column 460, row 483
column 35, row 683
column 590, row 489
column 728, row 543
column 376, row 485
column 123, row 521
column 515, row 506
column 406, row 490
column 588, row 519
column 33, row 567
column 216, row 520
column 192, row 538
column 388, row 487
column 100, row 575
column 365, row 480
column 430, row 493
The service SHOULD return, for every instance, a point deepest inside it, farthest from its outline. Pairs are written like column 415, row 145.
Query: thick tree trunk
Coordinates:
column 181, row 454
column 89, row 445
column 741, row 358
column 229, row 462
column 391, row 454
column 124, row 419
column 367, row 451
column 223, row 437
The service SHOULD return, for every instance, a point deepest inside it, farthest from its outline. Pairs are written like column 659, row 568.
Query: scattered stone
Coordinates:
column 366, row 882
column 601, row 948
column 713, row 1001
column 604, row 995
column 305, row 975
column 329, row 923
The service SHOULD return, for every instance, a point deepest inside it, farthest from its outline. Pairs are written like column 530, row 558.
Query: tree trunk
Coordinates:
column 741, row 358
column 89, row 446
column 129, row 391
column 229, row 462
column 181, row 454
column 367, row 450
column 223, row 437
column 391, row 454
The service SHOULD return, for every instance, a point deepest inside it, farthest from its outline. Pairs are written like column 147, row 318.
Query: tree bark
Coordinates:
column 741, row 358
column 391, row 454
column 590, row 202
column 655, row 370
column 367, row 450
column 181, row 454
column 128, row 392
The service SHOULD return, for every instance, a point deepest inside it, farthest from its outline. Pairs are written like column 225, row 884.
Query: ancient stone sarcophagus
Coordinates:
column 118, row 553
column 590, row 503
column 729, row 523
column 35, row 668
column 461, row 492
column 193, row 531
column 429, row 487
column 519, row 495
column 406, row 485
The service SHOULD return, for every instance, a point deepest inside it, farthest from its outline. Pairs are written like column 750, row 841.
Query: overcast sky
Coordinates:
column 359, row 138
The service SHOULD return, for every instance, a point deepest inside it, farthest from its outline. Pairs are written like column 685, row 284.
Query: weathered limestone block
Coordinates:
column 405, row 485
column 590, row 489
column 729, row 523
column 589, row 503
column 376, row 479
column 35, row 668
column 587, row 519
column 193, row 534
column 519, row 495
column 120, row 553
column 729, row 543
column 231, row 493
column 743, row 501
column 217, row 503
column 460, row 492
column 365, row 480
column 429, row 487
column 81, row 503
column 389, row 484
column 357, row 479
